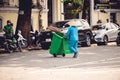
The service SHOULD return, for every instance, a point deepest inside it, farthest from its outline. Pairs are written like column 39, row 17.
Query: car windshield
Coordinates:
column 65, row 24
column 97, row 27
column 61, row 24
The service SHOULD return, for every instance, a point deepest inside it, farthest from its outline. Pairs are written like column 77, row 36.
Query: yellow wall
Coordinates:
column 44, row 18
column 14, row 16
column 35, row 21
column 118, row 18
column 9, row 16
column 100, row 16
column 16, row 2
column 57, row 8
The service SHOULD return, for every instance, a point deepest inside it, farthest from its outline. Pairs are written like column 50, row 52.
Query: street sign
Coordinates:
column 107, row 4
column 101, row 4
column 114, row 4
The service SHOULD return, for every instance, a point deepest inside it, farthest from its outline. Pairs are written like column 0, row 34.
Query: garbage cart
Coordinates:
column 59, row 45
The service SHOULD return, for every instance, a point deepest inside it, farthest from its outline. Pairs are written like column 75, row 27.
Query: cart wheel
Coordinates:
column 63, row 55
column 54, row 55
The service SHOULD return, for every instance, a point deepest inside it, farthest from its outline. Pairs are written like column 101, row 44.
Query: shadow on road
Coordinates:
column 88, row 57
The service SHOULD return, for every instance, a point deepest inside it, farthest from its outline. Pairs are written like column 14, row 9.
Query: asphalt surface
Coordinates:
column 93, row 63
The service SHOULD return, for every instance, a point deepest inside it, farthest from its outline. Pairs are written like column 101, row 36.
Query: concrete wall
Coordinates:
column 14, row 16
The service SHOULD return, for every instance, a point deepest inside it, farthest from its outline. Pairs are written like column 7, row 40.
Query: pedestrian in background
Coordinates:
column 99, row 21
column 107, row 20
column 8, row 30
column 72, row 35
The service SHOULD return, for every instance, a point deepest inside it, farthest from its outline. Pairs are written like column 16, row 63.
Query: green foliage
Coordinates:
column 73, row 7
column 79, row 2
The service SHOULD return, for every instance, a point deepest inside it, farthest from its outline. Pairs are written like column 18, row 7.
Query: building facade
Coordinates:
column 105, row 9
column 99, row 10
column 9, row 11
column 52, row 12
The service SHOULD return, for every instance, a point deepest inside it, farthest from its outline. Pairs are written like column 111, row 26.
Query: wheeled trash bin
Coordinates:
column 59, row 45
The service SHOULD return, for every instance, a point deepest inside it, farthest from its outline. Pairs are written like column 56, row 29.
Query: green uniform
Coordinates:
column 8, row 31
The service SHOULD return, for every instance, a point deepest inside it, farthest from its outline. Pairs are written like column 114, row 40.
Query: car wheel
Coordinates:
column 105, row 39
column 99, row 43
column 118, row 41
column 88, row 41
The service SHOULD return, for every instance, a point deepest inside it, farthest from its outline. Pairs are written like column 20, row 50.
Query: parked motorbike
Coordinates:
column 11, row 45
column 36, row 38
column 21, row 40
column 2, row 41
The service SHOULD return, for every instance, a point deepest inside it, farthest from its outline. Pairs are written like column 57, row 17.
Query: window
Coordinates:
column 113, row 26
column 1, row 2
column 6, row 1
column 113, row 17
column 0, row 25
column 11, row 3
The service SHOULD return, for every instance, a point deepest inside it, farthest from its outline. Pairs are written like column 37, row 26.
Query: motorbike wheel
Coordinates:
column 37, row 43
column 8, row 48
column 23, row 44
column 19, row 47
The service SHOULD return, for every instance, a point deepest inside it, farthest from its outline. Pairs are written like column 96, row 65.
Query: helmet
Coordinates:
column 8, row 21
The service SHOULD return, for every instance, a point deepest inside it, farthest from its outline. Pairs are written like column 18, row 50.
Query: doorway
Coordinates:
column 0, row 25
column 113, row 17
column 50, row 16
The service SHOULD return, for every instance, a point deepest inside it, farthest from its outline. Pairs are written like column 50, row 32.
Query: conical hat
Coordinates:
column 74, row 23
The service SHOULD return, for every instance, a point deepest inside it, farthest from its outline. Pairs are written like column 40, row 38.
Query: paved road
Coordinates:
column 93, row 63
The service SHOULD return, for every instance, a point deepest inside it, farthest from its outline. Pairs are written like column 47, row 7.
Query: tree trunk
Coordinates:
column 24, row 19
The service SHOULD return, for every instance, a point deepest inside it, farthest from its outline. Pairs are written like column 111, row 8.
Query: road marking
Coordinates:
column 76, row 70
column 60, row 68
column 87, row 63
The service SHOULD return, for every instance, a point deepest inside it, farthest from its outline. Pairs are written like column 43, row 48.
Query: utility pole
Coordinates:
column 91, row 11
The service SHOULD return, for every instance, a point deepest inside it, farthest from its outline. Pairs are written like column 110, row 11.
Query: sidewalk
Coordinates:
column 20, row 73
